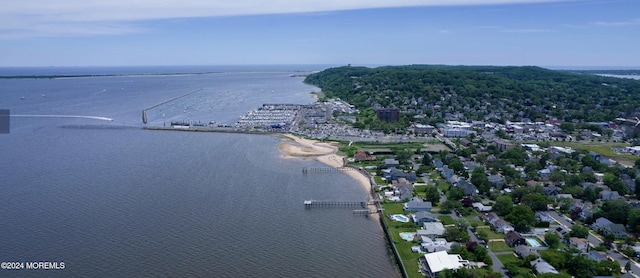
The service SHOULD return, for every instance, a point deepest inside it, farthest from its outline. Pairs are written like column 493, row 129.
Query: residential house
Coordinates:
column 561, row 231
column 581, row 244
column 431, row 229
column 600, row 223
column 469, row 189
column 417, row 204
column 608, row 195
column 362, row 156
column 404, row 190
column 513, row 238
column 607, row 227
column 470, row 165
column 618, row 230
column 544, row 173
column 423, row 217
column 496, row 180
column 582, row 210
column 541, row 266
column 481, row 208
column 437, row 163
column 543, row 217
column 390, row 162
column 491, row 218
column 524, row 251
column 552, row 190
column 433, row 263
column 395, row 175
column 502, row 226
column 434, row 245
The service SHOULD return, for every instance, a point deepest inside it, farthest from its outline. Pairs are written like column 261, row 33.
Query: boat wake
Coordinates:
column 64, row 116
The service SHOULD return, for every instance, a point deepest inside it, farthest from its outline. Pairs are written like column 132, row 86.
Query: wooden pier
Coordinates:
column 320, row 203
column 326, row 170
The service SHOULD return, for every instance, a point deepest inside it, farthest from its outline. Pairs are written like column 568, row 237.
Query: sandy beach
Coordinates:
column 296, row 147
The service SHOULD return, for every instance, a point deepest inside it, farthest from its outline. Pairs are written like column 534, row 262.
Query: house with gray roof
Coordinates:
column 417, row 204
column 431, row 229
column 390, row 162
column 496, row 180
column 524, row 251
column 423, row 217
column 542, row 266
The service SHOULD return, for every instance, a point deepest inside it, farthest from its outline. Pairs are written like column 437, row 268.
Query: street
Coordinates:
column 594, row 241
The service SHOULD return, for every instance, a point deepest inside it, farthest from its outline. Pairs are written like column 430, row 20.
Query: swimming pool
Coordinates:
column 533, row 242
column 407, row 236
column 400, row 218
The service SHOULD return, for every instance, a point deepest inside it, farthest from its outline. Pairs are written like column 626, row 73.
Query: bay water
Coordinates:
column 110, row 199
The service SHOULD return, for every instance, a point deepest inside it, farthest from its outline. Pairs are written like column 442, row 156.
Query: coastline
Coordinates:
column 292, row 146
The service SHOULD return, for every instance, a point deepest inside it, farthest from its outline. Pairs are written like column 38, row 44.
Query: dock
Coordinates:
column 321, row 203
column 326, row 170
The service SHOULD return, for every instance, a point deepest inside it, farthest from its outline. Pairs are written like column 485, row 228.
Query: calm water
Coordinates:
column 110, row 199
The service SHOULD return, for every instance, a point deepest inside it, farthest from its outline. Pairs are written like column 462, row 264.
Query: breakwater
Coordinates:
column 208, row 129
column 144, row 111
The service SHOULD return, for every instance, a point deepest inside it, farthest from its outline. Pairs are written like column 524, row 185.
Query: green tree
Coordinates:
column 480, row 180
column 552, row 239
column 521, row 217
column 614, row 182
column 455, row 234
column 617, row 211
column 449, row 205
column 633, row 220
column 579, row 231
column 426, row 159
column 608, row 268
column 503, row 205
column 432, row 194
column 535, row 201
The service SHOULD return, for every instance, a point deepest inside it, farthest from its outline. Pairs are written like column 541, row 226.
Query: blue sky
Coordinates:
column 550, row 33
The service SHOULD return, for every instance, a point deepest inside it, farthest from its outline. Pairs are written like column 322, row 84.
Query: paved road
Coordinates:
column 497, row 264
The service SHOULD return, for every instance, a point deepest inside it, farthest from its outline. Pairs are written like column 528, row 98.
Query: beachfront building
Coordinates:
column 433, row 263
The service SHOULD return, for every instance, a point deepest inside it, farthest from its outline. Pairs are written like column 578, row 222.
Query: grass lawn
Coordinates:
column 409, row 259
column 477, row 222
column 442, row 185
column 446, row 219
column 499, row 246
column 491, row 234
column 507, row 258
column 393, row 208
column 380, row 181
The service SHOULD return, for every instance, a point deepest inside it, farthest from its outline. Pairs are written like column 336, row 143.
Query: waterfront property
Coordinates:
column 417, row 204
column 433, row 263
column 399, row 218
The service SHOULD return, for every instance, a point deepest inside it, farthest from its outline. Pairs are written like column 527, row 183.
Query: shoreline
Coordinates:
column 292, row 146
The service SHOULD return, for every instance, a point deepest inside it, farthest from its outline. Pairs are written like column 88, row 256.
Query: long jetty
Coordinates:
column 144, row 111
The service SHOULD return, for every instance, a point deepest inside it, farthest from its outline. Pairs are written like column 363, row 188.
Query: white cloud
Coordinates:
column 70, row 17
